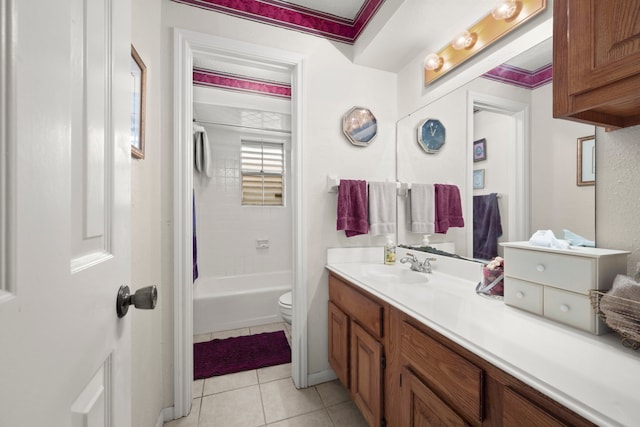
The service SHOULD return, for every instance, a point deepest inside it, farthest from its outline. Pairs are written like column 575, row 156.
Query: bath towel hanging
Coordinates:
column 382, row 208
column 448, row 207
column 352, row 215
column 422, row 208
column 202, row 155
column 487, row 226
column 195, row 240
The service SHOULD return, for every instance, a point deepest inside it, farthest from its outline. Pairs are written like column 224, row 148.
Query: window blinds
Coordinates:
column 262, row 165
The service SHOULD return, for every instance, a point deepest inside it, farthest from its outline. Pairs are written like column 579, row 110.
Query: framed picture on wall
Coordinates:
column 138, row 95
column 586, row 161
column 478, row 179
column 480, row 150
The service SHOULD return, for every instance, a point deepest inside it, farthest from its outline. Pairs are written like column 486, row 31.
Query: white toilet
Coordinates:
column 284, row 304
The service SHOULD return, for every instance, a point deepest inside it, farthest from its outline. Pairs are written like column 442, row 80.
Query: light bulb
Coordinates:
column 505, row 9
column 433, row 62
column 464, row 40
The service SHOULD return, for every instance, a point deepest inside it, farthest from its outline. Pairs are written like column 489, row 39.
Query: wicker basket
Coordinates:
column 620, row 314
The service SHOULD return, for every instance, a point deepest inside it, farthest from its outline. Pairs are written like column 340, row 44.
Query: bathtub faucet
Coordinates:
column 416, row 265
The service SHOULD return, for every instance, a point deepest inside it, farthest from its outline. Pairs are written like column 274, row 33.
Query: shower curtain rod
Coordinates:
column 288, row 132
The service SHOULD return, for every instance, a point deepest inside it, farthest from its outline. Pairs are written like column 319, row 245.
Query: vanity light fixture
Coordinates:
column 503, row 18
column 505, row 9
column 433, row 62
column 464, row 40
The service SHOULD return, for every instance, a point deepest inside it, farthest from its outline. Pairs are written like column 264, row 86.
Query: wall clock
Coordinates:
column 431, row 135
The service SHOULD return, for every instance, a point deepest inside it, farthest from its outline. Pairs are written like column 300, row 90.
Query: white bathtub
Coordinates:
column 222, row 303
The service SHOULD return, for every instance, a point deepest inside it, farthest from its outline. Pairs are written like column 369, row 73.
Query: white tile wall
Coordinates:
column 226, row 231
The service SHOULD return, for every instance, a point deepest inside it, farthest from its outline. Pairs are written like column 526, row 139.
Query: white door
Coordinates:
column 65, row 207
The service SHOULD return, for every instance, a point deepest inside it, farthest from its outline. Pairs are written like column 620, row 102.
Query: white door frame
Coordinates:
column 186, row 45
column 519, row 170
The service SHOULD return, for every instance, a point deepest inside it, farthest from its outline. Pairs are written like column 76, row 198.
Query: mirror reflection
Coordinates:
column 527, row 158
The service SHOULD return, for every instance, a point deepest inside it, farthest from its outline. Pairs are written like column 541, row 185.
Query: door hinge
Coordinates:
column 383, row 422
column 400, row 380
column 383, row 362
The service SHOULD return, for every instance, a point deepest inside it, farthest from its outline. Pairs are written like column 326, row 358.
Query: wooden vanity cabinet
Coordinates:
column 440, row 383
column 401, row 373
column 356, row 347
column 596, row 52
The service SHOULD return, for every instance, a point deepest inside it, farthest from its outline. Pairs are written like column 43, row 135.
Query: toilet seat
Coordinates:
column 285, row 300
column 284, row 303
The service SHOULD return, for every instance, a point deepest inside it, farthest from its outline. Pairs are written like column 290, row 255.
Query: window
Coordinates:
column 262, row 165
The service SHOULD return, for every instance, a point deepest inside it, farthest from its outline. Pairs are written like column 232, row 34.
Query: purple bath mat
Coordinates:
column 226, row 356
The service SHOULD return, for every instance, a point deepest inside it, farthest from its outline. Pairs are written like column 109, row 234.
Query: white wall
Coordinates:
column 557, row 202
column 333, row 86
column 617, row 184
column 147, row 351
column 226, row 230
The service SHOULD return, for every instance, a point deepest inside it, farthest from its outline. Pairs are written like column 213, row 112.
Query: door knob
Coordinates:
column 144, row 298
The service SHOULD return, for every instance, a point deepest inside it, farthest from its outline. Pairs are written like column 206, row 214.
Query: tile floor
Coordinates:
column 267, row 397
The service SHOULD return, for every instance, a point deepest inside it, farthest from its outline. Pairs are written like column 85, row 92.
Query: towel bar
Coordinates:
column 333, row 182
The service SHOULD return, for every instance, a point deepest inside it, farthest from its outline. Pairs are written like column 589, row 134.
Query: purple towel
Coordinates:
column 353, row 214
column 448, row 208
column 487, row 226
column 195, row 240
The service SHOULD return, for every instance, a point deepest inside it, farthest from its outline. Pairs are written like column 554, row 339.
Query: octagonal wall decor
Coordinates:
column 360, row 126
column 431, row 135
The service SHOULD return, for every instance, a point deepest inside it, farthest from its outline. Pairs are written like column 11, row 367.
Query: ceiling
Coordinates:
column 383, row 34
column 343, row 8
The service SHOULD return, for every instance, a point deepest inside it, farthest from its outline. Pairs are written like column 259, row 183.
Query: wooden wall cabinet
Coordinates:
column 596, row 61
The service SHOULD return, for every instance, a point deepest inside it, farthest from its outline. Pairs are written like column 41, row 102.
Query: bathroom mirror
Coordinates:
column 528, row 159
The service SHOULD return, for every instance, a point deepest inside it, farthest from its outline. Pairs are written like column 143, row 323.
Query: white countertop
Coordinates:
column 595, row 377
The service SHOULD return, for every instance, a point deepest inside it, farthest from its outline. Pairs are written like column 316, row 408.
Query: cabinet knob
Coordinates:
column 540, row 268
column 564, row 308
column 520, row 294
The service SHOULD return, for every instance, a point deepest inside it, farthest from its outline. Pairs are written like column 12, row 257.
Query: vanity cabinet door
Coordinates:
column 517, row 409
column 422, row 408
column 339, row 343
column 458, row 381
column 596, row 55
column 367, row 374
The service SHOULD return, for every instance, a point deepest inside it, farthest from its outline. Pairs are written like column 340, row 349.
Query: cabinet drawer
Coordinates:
column 367, row 312
column 524, row 295
column 569, row 308
column 453, row 378
column 573, row 273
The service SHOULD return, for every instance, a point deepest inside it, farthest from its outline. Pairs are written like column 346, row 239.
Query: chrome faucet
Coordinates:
column 416, row 265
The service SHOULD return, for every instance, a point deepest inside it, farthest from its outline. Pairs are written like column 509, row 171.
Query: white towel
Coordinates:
column 547, row 239
column 423, row 211
column 202, row 150
column 382, row 208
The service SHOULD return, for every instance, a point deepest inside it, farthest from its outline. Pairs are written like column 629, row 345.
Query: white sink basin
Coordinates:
column 391, row 274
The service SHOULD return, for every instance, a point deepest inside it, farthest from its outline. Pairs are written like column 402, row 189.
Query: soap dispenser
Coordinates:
column 389, row 251
column 425, row 240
